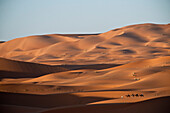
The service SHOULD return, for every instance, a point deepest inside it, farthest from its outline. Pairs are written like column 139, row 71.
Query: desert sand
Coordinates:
column 124, row 70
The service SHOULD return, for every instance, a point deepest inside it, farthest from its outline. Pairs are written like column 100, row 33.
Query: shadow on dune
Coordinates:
column 10, row 74
column 112, row 90
column 45, row 101
column 133, row 36
column 90, row 66
column 20, row 69
column 158, row 105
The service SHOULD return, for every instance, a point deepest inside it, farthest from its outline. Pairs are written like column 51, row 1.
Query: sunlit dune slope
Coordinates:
column 148, row 74
column 153, row 73
column 130, row 43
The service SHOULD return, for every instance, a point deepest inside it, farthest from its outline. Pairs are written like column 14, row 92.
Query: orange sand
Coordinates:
column 87, row 73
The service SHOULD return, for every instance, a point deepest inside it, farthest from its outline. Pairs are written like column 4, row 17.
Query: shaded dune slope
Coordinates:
column 46, row 101
column 157, row 105
column 16, row 69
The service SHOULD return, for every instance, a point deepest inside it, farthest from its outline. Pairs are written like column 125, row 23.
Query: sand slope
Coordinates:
column 88, row 73
column 11, row 68
column 150, row 106
column 130, row 43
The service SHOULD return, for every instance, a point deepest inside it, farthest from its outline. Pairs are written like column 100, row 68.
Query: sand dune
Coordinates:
column 88, row 73
column 149, row 106
column 15, row 69
column 18, row 109
column 132, row 42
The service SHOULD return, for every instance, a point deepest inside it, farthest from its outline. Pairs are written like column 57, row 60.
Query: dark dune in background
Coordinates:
column 2, row 41
column 88, row 73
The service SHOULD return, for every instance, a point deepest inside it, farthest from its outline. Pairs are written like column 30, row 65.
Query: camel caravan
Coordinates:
column 135, row 95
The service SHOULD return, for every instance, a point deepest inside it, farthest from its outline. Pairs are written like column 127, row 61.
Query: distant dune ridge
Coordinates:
column 125, row 70
column 129, row 43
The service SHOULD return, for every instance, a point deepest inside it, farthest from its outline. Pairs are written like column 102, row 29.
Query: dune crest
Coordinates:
column 130, row 43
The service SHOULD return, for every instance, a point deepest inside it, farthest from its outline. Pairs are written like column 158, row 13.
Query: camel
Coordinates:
column 141, row 95
column 132, row 95
column 137, row 95
column 128, row 95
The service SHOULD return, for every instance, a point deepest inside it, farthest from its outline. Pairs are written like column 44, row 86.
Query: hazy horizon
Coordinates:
column 23, row 18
